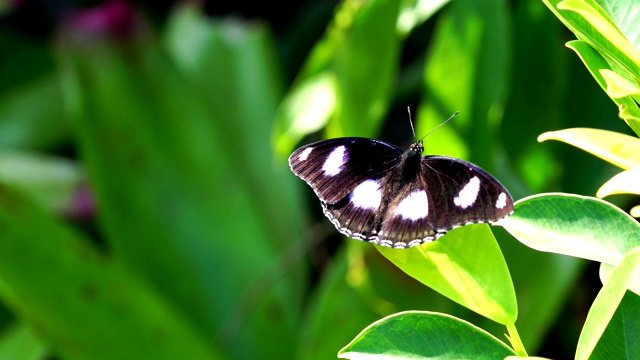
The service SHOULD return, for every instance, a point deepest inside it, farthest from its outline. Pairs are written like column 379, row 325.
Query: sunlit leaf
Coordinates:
column 51, row 181
column 416, row 12
column 611, row 328
column 465, row 265
column 574, row 225
column 596, row 64
column 627, row 182
column 619, row 149
column 306, row 109
column 618, row 86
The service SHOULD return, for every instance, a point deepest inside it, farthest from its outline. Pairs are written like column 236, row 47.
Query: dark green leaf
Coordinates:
column 85, row 305
column 177, row 200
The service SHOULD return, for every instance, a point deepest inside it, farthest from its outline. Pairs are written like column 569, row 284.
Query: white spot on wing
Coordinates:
column 414, row 207
column 367, row 195
column 305, row 154
column 502, row 201
column 332, row 166
column 469, row 193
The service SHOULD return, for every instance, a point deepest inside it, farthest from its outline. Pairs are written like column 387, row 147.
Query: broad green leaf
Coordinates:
column 624, row 183
column 611, row 329
column 619, row 149
column 465, row 265
column 85, row 305
column 52, row 182
column 424, row 335
column 574, row 225
column 175, row 206
column 234, row 66
column 20, row 342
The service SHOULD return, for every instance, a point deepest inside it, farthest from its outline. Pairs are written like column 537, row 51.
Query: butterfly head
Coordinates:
column 417, row 148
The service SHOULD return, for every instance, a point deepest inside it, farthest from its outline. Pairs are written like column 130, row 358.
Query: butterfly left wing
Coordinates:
column 335, row 167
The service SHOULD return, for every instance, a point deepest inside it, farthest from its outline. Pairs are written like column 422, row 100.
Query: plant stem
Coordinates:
column 514, row 337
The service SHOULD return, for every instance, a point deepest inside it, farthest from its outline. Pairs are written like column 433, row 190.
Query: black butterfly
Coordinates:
column 373, row 191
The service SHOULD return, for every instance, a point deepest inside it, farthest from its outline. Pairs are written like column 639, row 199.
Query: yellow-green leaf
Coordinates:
column 619, row 149
column 624, row 183
column 618, row 86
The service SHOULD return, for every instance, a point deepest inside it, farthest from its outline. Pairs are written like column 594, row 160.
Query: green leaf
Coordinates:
column 611, row 329
column 175, row 206
column 624, row 183
column 467, row 69
column 619, row 149
column 622, row 13
column 19, row 342
column 602, row 41
column 424, row 335
column 52, row 182
column 32, row 115
column 365, row 64
column 613, row 42
column 348, row 78
column 598, row 66
column 415, row 12
column 618, row 86
column 465, row 265
column 85, row 305
column 337, row 308
column 306, row 109
column 574, row 225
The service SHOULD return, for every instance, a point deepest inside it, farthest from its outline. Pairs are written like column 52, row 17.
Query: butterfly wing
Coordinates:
column 407, row 219
column 448, row 193
column 335, row 167
column 462, row 193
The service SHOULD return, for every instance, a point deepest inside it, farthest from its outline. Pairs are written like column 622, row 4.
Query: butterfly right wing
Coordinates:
column 334, row 168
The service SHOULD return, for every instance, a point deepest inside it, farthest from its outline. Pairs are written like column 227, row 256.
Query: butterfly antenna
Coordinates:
column 411, row 122
column 436, row 128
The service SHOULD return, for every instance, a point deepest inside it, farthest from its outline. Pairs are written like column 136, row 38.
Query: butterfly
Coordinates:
column 373, row 191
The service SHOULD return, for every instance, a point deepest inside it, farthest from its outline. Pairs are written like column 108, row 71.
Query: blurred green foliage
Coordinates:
column 178, row 229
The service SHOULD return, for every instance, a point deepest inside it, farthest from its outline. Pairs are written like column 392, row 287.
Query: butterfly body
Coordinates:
column 374, row 191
